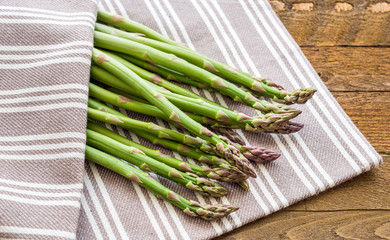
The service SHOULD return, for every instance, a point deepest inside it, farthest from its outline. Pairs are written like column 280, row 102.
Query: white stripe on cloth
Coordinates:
column 291, row 78
column 42, row 185
column 40, row 157
column 40, row 15
column 107, row 200
column 141, row 197
column 45, row 62
column 44, row 89
column 41, row 22
column 37, row 231
column 230, row 62
column 40, row 194
column 91, row 218
column 23, row 48
column 321, row 89
column 155, row 201
column 48, row 11
column 49, row 136
column 39, row 147
column 316, row 99
column 144, row 203
column 170, row 208
column 45, row 55
column 311, row 173
column 98, row 207
column 48, row 97
column 43, row 107
column 32, row 201
column 252, row 66
column 177, row 38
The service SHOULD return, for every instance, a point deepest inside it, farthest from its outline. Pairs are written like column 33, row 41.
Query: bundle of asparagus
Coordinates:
column 135, row 68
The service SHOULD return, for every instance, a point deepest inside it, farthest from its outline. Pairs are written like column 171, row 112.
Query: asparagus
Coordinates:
column 154, row 78
column 170, row 61
column 259, row 85
column 166, row 73
column 190, row 207
column 175, row 114
column 269, row 122
column 150, row 127
column 199, row 154
column 140, row 159
column 230, row 134
column 217, row 173
column 131, row 26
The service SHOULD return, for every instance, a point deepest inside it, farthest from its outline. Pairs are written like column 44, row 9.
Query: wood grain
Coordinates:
column 364, row 224
column 348, row 44
column 336, row 23
column 370, row 111
column 351, row 68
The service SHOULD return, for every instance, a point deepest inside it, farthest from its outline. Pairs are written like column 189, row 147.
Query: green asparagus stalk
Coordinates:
column 166, row 73
column 140, row 159
column 190, row 207
column 131, row 26
column 199, row 154
column 156, row 79
column 217, row 173
column 175, row 114
column 269, row 122
column 150, row 127
column 170, row 61
column 132, row 103
column 258, row 85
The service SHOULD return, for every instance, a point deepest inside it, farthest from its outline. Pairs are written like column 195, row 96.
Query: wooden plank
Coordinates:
column 367, row 191
column 336, row 23
column 370, row 111
column 351, row 68
column 363, row 224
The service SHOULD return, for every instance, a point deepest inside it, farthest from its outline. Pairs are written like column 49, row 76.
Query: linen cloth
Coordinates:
column 44, row 67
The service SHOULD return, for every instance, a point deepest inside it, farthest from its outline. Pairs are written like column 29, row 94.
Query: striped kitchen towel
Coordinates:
column 45, row 50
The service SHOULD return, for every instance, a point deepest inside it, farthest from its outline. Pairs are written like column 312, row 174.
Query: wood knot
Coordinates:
column 303, row 6
column 343, row 7
column 381, row 7
column 277, row 5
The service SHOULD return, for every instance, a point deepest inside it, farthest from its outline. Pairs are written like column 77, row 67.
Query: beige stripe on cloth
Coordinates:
column 43, row 92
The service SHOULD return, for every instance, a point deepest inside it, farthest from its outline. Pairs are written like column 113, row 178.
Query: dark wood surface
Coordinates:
column 348, row 43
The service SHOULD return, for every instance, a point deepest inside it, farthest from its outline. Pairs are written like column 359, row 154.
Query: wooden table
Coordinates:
column 348, row 43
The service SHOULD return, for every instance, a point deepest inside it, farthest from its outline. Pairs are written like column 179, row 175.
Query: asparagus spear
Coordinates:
column 175, row 114
column 268, row 122
column 131, row 26
column 137, row 157
column 151, row 77
column 195, row 153
column 190, row 207
column 166, row 73
column 170, row 61
column 258, row 85
column 217, row 173
column 150, row 127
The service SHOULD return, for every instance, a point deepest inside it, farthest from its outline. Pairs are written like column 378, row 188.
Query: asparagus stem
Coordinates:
column 269, row 122
column 150, row 127
column 199, row 154
column 217, row 173
column 166, row 73
column 137, row 157
column 131, row 26
column 259, row 85
column 170, row 61
column 174, row 113
column 190, row 207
